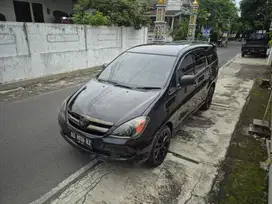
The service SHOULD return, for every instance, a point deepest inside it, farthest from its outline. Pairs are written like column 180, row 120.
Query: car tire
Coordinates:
column 208, row 100
column 160, row 147
column 243, row 55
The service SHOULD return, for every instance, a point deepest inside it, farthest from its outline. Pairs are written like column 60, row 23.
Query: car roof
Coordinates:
column 172, row 49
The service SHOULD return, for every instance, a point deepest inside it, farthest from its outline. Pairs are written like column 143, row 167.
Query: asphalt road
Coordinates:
column 33, row 156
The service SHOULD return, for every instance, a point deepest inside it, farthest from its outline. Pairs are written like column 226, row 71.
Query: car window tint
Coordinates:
column 214, row 55
column 186, row 66
column 210, row 59
column 173, row 83
column 137, row 69
column 211, row 55
column 200, row 59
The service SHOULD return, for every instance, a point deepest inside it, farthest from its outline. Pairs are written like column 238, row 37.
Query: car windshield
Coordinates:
column 139, row 70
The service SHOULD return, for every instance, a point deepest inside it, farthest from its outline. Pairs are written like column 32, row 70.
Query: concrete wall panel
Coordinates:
column 29, row 50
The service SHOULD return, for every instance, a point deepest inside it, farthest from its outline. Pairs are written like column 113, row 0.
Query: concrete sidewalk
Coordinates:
column 195, row 156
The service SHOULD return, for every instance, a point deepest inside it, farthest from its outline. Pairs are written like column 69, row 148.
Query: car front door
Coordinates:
column 179, row 104
column 184, row 93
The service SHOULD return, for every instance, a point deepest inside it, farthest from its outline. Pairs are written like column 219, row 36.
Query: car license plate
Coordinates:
column 81, row 139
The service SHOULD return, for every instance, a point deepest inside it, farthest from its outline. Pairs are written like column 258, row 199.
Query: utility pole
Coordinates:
column 192, row 22
column 160, row 24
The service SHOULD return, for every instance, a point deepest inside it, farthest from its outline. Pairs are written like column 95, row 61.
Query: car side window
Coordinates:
column 187, row 66
column 200, row 59
column 211, row 56
column 173, row 83
column 214, row 55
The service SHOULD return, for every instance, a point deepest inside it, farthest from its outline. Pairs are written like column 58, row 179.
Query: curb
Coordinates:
column 229, row 62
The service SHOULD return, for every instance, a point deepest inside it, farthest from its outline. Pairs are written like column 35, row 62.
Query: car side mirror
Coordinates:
column 187, row 80
column 104, row 66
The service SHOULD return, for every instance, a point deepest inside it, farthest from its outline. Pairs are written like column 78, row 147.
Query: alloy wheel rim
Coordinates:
column 162, row 146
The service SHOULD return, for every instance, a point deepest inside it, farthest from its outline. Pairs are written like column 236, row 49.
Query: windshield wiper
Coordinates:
column 129, row 87
column 122, row 85
column 148, row 87
column 105, row 81
column 115, row 83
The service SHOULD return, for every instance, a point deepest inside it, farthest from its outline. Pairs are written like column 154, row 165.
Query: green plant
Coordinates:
column 270, row 43
column 96, row 19
column 180, row 29
column 108, row 12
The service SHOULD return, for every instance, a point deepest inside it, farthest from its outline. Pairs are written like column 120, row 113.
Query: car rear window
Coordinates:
column 138, row 69
column 257, row 37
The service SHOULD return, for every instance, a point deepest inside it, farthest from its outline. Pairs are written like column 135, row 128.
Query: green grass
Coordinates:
column 244, row 180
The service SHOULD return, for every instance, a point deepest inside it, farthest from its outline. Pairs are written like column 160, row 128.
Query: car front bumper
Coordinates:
column 107, row 148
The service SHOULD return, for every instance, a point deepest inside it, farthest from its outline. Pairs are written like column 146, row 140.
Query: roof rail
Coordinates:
column 194, row 41
column 179, row 41
column 140, row 45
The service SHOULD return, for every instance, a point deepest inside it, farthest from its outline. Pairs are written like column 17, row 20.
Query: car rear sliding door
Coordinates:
column 202, row 73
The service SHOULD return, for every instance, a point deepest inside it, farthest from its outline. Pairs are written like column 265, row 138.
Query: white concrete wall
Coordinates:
column 6, row 8
column 29, row 50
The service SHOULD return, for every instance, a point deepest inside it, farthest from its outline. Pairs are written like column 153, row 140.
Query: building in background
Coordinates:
column 174, row 11
column 40, row 11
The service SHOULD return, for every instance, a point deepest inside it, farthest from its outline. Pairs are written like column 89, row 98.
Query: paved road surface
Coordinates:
column 33, row 156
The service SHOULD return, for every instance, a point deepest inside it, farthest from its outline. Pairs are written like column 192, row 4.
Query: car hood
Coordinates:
column 111, row 103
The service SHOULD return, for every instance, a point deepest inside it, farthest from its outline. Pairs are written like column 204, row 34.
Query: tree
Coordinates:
column 180, row 29
column 118, row 12
column 255, row 14
column 219, row 15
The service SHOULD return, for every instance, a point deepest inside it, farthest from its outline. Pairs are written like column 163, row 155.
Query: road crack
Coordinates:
column 192, row 191
column 92, row 185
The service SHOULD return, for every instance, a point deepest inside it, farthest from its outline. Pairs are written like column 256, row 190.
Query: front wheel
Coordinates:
column 160, row 147
column 208, row 101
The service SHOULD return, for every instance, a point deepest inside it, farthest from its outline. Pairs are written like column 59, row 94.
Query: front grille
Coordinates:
column 90, row 125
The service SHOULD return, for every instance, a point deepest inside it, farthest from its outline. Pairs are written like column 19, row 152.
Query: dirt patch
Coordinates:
column 48, row 84
column 241, row 179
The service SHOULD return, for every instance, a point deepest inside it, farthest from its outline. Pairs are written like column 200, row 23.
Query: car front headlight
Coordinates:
column 131, row 129
column 62, row 109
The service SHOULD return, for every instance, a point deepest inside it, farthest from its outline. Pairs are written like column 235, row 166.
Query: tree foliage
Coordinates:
column 255, row 14
column 96, row 19
column 109, row 12
column 220, row 15
column 180, row 29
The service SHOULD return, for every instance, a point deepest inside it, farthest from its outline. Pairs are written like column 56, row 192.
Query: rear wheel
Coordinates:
column 160, row 147
column 208, row 101
column 243, row 55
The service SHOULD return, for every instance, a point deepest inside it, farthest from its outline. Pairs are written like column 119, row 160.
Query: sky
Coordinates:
column 238, row 6
column 237, row 2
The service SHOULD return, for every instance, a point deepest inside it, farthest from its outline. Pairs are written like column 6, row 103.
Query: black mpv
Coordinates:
column 130, row 110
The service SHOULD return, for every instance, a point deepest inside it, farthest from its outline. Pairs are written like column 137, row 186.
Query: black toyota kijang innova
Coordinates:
column 130, row 110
